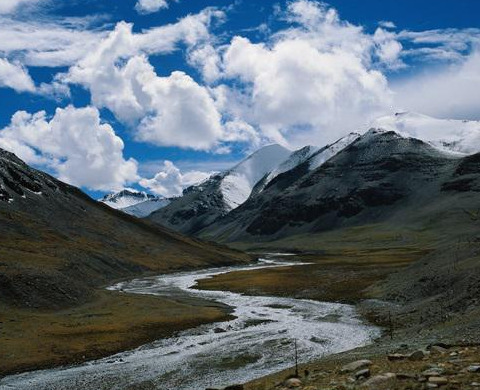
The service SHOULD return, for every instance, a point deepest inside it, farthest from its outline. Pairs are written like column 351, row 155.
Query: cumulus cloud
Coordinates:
column 170, row 181
column 166, row 111
column 312, row 83
column 75, row 144
column 15, row 76
column 449, row 92
column 150, row 6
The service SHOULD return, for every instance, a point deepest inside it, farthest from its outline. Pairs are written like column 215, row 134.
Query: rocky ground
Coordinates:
column 435, row 366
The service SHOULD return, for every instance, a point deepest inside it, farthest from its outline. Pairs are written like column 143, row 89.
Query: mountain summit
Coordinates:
column 137, row 203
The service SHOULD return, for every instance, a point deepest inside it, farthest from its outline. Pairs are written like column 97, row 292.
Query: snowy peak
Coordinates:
column 457, row 136
column 137, row 203
column 126, row 198
column 237, row 183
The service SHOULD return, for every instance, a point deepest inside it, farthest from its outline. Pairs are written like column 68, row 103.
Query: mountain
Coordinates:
column 202, row 204
column 457, row 136
column 137, row 203
column 57, row 245
column 381, row 177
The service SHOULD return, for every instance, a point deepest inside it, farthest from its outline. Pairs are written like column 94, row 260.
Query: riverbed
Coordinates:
column 259, row 341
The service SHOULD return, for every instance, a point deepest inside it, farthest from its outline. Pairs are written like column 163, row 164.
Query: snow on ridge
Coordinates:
column 447, row 135
column 238, row 182
column 331, row 150
column 147, row 207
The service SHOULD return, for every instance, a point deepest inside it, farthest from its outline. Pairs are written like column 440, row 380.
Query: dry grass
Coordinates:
column 111, row 323
column 345, row 277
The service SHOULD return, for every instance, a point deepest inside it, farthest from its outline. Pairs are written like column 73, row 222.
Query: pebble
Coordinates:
column 357, row 365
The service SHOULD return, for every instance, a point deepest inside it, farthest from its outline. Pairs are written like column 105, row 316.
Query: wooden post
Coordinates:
column 296, row 360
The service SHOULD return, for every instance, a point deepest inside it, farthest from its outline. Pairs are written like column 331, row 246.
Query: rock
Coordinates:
column 433, row 372
column 417, row 355
column 365, row 373
column 474, row 368
column 379, row 382
column 436, row 349
column 438, row 380
column 354, row 366
column 293, row 383
column 475, row 384
column 234, row 387
column 406, row 376
column 219, row 330
column 431, row 386
column 453, row 353
column 396, row 356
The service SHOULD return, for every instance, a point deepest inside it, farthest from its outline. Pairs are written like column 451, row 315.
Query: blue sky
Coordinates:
column 158, row 94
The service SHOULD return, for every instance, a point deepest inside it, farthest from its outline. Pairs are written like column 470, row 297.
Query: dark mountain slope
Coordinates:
column 380, row 177
column 57, row 244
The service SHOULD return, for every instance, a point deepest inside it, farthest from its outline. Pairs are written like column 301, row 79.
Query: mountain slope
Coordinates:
column 458, row 136
column 139, row 204
column 201, row 205
column 380, row 177
column 57, row 244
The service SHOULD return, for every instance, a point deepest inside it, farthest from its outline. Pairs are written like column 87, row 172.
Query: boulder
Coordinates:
column 438, row 380
column 417, row 355
column 293, row 383
column 474, row 368
column 396, row 356
column 365, row 373
column 379, row 382
column 357, row 365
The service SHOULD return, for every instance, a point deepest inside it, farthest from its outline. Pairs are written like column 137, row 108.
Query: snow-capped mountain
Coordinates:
column 457, row 136
column 238, row 182
column 137, row 203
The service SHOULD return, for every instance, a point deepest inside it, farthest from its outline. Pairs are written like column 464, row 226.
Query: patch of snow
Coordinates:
column 458, row 136
column 238, row 182
column 294, row 160
column 329, row 151
column 144, row 209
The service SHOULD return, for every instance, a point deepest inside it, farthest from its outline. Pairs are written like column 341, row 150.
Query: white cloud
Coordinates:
column 74, row 143
column 10, row 6
column 150, row 6
column 15, row 76
column 170, row 181
column 166, row 111
column 59, row 43
column 387, row 24
column 449, row 92
column 312, row 83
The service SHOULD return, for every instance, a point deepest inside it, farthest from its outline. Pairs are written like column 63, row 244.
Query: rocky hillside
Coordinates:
column 57, row 244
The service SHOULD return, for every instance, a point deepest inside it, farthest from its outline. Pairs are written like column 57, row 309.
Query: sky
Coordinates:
column 159, row 94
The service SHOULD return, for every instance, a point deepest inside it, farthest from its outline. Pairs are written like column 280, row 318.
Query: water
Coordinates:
column 258, row 342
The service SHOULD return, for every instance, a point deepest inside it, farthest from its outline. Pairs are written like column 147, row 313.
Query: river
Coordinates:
column 257, row 342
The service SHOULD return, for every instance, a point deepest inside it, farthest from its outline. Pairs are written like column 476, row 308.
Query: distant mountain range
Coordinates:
column 137, row 203
column 384, row 174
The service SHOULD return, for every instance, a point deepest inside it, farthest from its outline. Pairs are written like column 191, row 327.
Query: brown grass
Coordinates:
column 345, row 277
column 111, row 323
